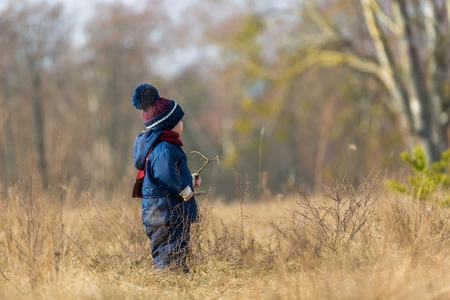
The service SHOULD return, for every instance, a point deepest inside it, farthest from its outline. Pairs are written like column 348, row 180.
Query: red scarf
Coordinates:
column 168, row 136
column 171, row 137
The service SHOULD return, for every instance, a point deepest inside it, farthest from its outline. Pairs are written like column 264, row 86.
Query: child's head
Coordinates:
column 158, row 113
column 179, row 128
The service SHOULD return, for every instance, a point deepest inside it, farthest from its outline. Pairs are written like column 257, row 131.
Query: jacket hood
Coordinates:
column 142, row 145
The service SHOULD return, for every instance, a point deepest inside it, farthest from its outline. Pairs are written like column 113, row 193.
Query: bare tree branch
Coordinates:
column 448, row 11
column 406, row 70
column 326, row 27
column 390, row 23
column 382, row 56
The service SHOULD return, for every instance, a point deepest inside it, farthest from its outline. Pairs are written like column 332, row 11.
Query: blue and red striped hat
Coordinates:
column 158, row 113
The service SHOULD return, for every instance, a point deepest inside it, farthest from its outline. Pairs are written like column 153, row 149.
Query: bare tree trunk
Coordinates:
column 447, row 3
column 387, row 73
column 421, row 133
column 437, row 21
column 39, row 123
column 8, row 141
column 327, row 121
column 426, row 80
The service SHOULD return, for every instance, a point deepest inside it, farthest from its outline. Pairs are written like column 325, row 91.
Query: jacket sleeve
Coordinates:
column 171, row 170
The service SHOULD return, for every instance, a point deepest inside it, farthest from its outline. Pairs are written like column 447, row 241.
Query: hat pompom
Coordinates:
column 145, row 95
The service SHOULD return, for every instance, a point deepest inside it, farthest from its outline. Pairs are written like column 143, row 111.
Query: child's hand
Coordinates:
column 198, row 180
column 188, row 197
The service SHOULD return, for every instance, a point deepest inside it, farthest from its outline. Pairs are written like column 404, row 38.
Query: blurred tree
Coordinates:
column 8, row 44
column 34, row 33
column 396, row 43
column 259, row 104
column 409, row 40
column 401, row 43
column 119, row 50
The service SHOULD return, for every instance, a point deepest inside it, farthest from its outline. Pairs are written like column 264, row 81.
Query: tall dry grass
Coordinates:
column 350, row 243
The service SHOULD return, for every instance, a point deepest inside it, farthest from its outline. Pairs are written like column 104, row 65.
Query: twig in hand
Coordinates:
column 206, row 161
column 202, row 193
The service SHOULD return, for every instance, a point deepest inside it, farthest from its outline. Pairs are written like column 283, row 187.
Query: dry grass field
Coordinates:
column 349, row 243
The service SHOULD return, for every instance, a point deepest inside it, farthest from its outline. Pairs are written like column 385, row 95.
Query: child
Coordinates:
column 168, row 205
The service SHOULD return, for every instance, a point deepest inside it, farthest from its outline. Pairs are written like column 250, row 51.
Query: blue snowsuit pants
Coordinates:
column 169, row 245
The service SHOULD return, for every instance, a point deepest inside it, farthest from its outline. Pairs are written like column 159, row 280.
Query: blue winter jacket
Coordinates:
column 166, row 175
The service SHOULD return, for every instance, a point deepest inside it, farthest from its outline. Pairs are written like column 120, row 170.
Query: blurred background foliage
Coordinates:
column 288, row 93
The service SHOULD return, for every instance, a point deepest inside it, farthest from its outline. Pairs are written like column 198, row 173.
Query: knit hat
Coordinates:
column 158, row 113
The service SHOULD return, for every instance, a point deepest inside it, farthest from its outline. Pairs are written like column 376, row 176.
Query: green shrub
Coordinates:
column 426, row 179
